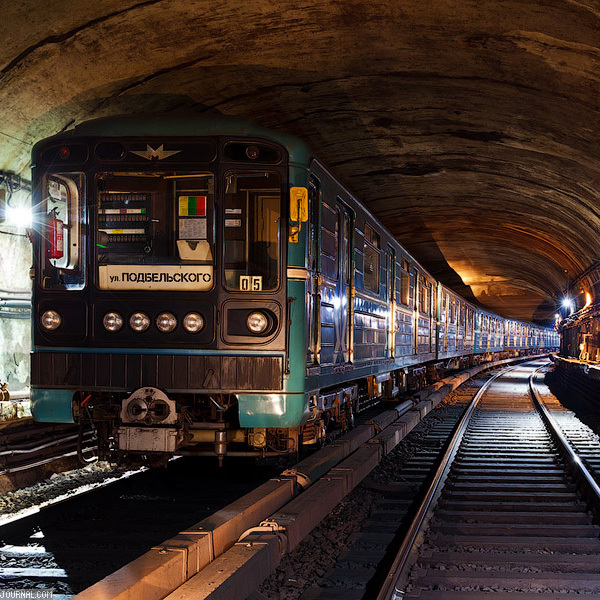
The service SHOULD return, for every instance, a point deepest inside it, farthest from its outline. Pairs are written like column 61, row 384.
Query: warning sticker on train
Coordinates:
column 156, row 277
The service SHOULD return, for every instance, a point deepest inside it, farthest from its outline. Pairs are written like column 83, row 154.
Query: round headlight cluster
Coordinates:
column 50, row 320
column 166, row 322
column 139, row 321
column 193, row 322
column 112, row 321
column 257, row 322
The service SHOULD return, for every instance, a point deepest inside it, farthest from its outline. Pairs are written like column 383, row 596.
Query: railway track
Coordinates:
column 69, row 546
column 67, row 554
column 32, row 445
column 505, row 514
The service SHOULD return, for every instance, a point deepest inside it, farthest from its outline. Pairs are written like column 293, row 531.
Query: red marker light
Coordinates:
column 64, row 153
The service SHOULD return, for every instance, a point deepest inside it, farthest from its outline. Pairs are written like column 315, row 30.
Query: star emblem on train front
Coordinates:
column 151, row 153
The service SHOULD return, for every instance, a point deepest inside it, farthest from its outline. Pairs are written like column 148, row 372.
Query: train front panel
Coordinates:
column 164, row 311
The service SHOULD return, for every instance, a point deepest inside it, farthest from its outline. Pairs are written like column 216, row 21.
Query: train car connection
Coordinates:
column 206, row 286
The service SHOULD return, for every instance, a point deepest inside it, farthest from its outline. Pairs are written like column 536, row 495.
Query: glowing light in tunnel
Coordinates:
column 588, row 299
column 18, row 216
column 568, row 304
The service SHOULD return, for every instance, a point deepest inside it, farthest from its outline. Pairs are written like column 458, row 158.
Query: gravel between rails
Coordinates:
column 57, row 487
column 73, row 544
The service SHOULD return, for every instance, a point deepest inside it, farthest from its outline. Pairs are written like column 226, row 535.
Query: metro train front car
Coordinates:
column 163, row 311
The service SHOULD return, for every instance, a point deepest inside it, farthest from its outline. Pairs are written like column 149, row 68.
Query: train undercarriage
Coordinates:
column 149, row 426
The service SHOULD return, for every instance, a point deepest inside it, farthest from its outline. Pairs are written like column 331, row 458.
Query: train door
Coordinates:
column 416, row 319
column 313, row 308
column 345, row 284
column 335, row 279
column 391, row 295
column 432, row 317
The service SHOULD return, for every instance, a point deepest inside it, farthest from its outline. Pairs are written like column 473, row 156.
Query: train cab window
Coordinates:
column 154, row 230
column 372, row 257
column 405, row 282
column 251, row 230
column 63, row 215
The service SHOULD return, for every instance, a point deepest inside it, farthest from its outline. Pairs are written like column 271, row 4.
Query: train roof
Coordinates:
column 183, row 124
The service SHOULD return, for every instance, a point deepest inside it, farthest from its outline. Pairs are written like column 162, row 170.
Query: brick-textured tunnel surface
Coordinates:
column 469, row 127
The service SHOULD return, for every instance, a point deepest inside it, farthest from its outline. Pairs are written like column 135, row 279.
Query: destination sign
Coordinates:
column 156, row 277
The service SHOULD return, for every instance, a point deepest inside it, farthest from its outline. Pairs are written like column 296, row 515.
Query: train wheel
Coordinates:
column 348, row 415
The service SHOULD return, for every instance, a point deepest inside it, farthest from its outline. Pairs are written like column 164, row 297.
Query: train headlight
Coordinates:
column 50, row 320
column 139, row 321
column 257, row 322
column 166, row 322
column 193, row 322
column 112, row 321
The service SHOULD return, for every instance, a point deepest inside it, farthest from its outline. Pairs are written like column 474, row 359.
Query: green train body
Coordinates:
column 206, row 286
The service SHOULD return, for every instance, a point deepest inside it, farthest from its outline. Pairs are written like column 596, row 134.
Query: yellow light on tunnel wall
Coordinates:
column 588, row 299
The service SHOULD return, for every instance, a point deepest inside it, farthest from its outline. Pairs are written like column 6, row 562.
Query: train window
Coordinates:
column 63, row 207
column 371, row 260
column 405, row 282
column 251, row 230
column 314, row 198
column 155, row 230
column 444, row 304
column 423, row 297
column 432, row 300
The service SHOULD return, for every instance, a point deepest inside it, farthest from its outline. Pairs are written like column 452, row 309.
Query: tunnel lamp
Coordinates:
column 567, row 303
column 18, row 216
column 588, row 299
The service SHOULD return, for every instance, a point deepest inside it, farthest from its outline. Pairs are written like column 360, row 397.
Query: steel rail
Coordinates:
column 391, row 588
column 29, row 454
column 27, row 449
column 560, row 437
column 38, row 463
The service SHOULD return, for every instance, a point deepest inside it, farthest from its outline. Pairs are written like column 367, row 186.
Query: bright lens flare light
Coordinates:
column 588, row 299
column 567, row 303
column 18, row 216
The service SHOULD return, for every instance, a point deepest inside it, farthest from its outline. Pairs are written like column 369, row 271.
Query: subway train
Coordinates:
column 206, row 286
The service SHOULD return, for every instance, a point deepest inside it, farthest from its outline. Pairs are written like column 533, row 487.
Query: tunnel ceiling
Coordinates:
column 470, row 128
